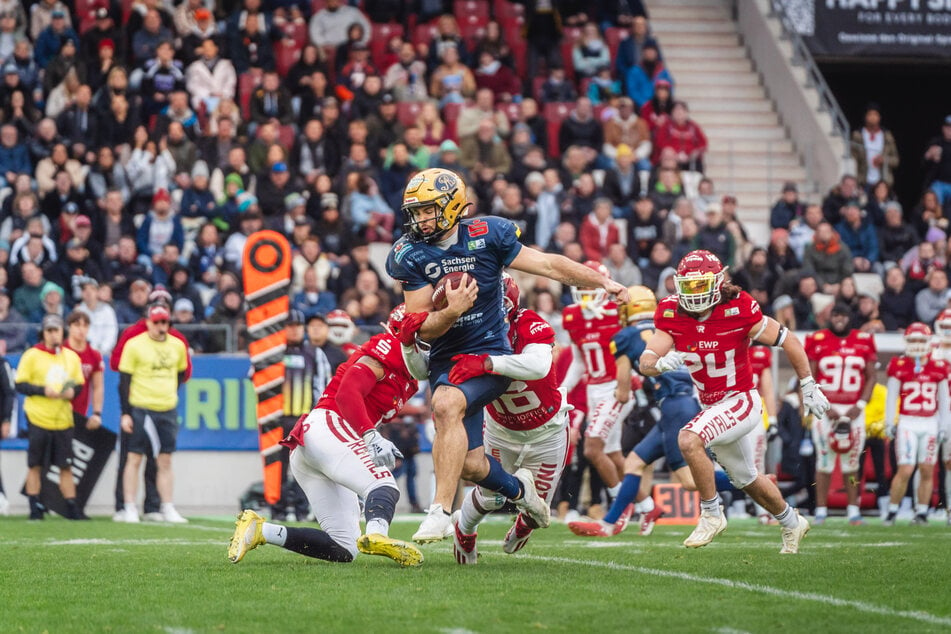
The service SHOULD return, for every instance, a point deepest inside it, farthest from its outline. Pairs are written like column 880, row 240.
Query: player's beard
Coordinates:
column 839, row 333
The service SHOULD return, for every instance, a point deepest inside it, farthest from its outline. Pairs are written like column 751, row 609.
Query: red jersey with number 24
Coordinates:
column 528, row 404
column 390, row 393
column 841, row 363
column 716, row 350
column 919, row 384
column 593, row 338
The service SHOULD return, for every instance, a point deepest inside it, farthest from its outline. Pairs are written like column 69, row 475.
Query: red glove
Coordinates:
column 410, row 325
column 469, row 366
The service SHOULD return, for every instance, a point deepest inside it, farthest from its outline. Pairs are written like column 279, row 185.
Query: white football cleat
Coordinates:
column 154, row 516
column 130, row 515
column 436, row 527
column 531, row 504
column 517, row 536
column 464, row 546
column 169, row 514
column 708, row 527
column 792, row 536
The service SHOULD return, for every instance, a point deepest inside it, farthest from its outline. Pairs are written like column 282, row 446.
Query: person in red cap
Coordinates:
column 160, row 227
column 151, row 370
column 104, row 28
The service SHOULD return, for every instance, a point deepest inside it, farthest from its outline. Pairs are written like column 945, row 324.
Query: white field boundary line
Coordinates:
column 861, row 606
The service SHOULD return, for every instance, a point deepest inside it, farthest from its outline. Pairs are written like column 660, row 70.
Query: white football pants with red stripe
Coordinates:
column 726, row 428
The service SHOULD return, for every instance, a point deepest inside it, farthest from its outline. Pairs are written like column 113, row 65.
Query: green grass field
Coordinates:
column 58, row 576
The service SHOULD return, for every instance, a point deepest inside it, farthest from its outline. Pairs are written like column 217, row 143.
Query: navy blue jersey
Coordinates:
column 630, row 342
column 483, row 247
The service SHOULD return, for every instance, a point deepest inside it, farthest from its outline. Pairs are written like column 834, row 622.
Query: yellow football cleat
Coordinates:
column 247, row 535
column 403, row 553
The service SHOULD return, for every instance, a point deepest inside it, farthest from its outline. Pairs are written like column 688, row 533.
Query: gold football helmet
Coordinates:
column 433, row 203
column 641, row 305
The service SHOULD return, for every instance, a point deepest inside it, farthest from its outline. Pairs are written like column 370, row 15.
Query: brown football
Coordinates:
column 439, row 293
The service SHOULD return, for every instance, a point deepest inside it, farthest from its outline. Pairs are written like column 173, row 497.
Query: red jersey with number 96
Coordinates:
column 528, row 404
column 593, row 338
column 919, row 384
column 390, row 393
column 716, row 350
column 841, row 363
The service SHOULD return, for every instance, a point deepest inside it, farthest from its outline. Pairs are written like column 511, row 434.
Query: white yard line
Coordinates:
column 861, row 606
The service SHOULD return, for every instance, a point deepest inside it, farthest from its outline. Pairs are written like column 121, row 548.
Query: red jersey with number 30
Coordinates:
column 390, row 393
column 761, row 357
column 841, row 363
column 716, row 350
column 593, row 338
column 919, row 384
column 528, row 404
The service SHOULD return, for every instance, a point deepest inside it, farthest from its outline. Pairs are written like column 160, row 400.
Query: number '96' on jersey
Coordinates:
column 716, row 350
column 841, row 363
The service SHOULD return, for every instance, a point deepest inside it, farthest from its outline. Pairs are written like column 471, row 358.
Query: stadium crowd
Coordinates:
column 141, row 142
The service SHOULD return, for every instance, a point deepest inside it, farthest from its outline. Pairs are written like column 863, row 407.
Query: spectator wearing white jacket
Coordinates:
column 103, row 324
column 210, row 78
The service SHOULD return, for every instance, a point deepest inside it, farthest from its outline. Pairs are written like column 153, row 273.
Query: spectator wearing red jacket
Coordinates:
column 598, row 230
column 500, row 79
column 684, row 136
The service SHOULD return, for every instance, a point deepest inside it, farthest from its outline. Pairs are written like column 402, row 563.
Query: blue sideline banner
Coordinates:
column 216, row 408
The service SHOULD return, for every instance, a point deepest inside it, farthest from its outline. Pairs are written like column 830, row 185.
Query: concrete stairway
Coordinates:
column 750, row 153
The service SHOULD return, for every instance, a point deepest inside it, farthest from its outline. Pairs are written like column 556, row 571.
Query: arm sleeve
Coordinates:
column 417, row 362
column 356, row 384
column 891, row 399
column 28, row 389
column 125, row 381
column 575, row 370
column 531, row 364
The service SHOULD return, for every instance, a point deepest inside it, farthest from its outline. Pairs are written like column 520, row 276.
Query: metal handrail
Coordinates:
column 802, row 56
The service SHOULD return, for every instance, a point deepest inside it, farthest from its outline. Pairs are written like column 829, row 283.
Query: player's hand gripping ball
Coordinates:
column 453, row 280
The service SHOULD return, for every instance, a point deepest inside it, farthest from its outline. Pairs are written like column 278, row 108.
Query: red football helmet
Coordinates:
column 591, row 297
column 842, row 438
column 942, row 326
column 510, row 296
column 699, row 278
column 341, row 327
column 917, row 339
column 396, row 318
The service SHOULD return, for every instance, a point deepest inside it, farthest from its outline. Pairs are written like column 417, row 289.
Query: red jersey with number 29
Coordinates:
column 593, row 338
column 390, row 393
column 919, row 384
column 841, row 363
column 528, row 404
column 716, row 350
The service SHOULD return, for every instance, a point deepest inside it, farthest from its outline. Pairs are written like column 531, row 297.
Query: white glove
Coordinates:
column 383, row 452
column 813, row 400
column 890, row 431
column 670, row 361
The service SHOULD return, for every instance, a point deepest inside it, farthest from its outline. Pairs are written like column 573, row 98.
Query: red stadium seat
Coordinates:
column 316, row 5
column 330, row 62
column 613, row 36
column 126, row 10
column 424, row 33
column 511, row 111
column 537, row 87
column 520, row 54
column 567, row 46
column 287, row 135
column 86, row 21
column 246, row 85
column 554, row 114
column 464, row 9
column 408, row 111
column 286, row 54
column 84, row 7
column 382, row 33
column 297, row 32
column 473, row 30
column 506, row 10
column 450, row 115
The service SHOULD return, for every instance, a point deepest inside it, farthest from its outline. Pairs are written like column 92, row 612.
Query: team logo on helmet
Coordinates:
column 444, row 182
column 433, row 203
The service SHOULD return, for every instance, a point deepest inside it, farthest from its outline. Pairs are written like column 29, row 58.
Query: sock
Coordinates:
column 36, row 507
column 613, row 491
column 377, row 526
column 626, row 493
column 474, row 509
column 822, row 511
column 711, row 506
column 852, row 510
column 312, row 542
column 788, row 518
column 274, row 533
column 380, row 505
column 893, row 508
column 498, row 479
column 72, row 510
column 646, row 505
column 722, row 481
column 921, row 509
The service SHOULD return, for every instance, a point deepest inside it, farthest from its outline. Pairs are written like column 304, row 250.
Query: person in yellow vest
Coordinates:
column 151, row 369
column 49, row 375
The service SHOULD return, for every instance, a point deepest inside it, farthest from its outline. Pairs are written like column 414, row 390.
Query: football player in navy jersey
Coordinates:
column 437, row 240
column 673, row 392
